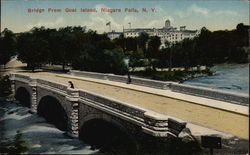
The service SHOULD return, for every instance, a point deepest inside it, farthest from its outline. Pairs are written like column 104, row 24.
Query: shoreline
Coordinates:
column 2, row 113
column 180, row 78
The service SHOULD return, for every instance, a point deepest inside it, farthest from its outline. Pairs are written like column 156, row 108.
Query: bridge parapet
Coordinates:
column 151, row 122
column 216, row 94
column 232, row 97
column 52, row 84
column 20, row 77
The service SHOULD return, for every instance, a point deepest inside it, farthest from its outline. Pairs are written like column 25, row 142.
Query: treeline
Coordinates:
column 89, row 51
column 207, row 49
column 7, row 46
column 70, row 46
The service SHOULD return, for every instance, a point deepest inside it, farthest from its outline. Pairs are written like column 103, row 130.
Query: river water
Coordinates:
column 230, row 77
column 40, row 136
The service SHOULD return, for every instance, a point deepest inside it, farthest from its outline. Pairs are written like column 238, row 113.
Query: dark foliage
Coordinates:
column 5, row 87
column 89, row 51
column 7, row 46
column 17, row 146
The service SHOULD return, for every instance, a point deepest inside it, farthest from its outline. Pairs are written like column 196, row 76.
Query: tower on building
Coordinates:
column 167, row 24
column 182, row 28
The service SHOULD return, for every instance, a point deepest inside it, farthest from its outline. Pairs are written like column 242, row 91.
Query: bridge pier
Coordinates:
column 72, row 98
column 33, row 86
column 13, row 84
column 74, row 119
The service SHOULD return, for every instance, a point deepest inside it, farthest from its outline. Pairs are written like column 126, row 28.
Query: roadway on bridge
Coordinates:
column 235, row 123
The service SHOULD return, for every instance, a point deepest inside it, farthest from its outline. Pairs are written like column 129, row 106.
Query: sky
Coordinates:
column 194, row 14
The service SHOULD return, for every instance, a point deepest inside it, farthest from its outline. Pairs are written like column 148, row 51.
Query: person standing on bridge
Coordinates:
column 71, row 85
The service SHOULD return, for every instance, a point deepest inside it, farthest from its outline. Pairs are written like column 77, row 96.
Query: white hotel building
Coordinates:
column 167, row 33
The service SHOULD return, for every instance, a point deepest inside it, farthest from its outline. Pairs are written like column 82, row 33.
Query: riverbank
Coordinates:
column 176, row 75
column 2, row 111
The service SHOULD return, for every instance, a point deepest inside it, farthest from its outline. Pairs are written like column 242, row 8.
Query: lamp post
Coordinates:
column 129, row 78
column 128, row 73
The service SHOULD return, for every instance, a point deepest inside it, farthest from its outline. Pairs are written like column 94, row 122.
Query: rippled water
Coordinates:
column 231, row 77
column 41, row 136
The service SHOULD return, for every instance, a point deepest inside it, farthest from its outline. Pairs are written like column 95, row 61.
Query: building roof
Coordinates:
column 114, row 33
column 159, row 29
column 139, row 30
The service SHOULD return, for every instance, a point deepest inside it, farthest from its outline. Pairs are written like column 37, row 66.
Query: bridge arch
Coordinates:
column 52, row 110
column 23, row 96
column 102, row 132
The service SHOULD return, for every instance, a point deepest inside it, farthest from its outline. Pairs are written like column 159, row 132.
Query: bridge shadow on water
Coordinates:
column 53, row 112
column 107, row 137
column 23, row 96
column 110, row 139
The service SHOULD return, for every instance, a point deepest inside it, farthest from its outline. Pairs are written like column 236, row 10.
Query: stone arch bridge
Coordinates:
column 73, row 110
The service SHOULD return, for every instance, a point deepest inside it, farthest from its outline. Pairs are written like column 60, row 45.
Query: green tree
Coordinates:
column 120, row 42
column 205, row 47
column 5, row 84
column 86, row 59
column 131, row 45
column 114, row 61
column 153, row 50
column 33, row 47
column 7, row 46
column 17, row 146
column 136, row 58
column 188, row 53
column 142, row 41
column 241, row 35
column 154, row 44
column 66, row 48
column 20, row 145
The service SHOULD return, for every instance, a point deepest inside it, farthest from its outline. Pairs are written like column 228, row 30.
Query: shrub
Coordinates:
column 5, row 86
column 17, row 146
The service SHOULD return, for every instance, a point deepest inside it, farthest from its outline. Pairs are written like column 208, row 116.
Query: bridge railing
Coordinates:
column 52, row 84
column 88, row 74
column 36, row 82
column 151, row 122
column 123, row 79
column 231, row 97
column 111, row 103
column 20, row 77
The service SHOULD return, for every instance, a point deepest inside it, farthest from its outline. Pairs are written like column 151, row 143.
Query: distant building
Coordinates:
column 167, row 33
column 113, row 35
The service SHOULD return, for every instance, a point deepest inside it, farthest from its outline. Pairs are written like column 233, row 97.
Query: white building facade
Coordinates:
column 167, row 33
